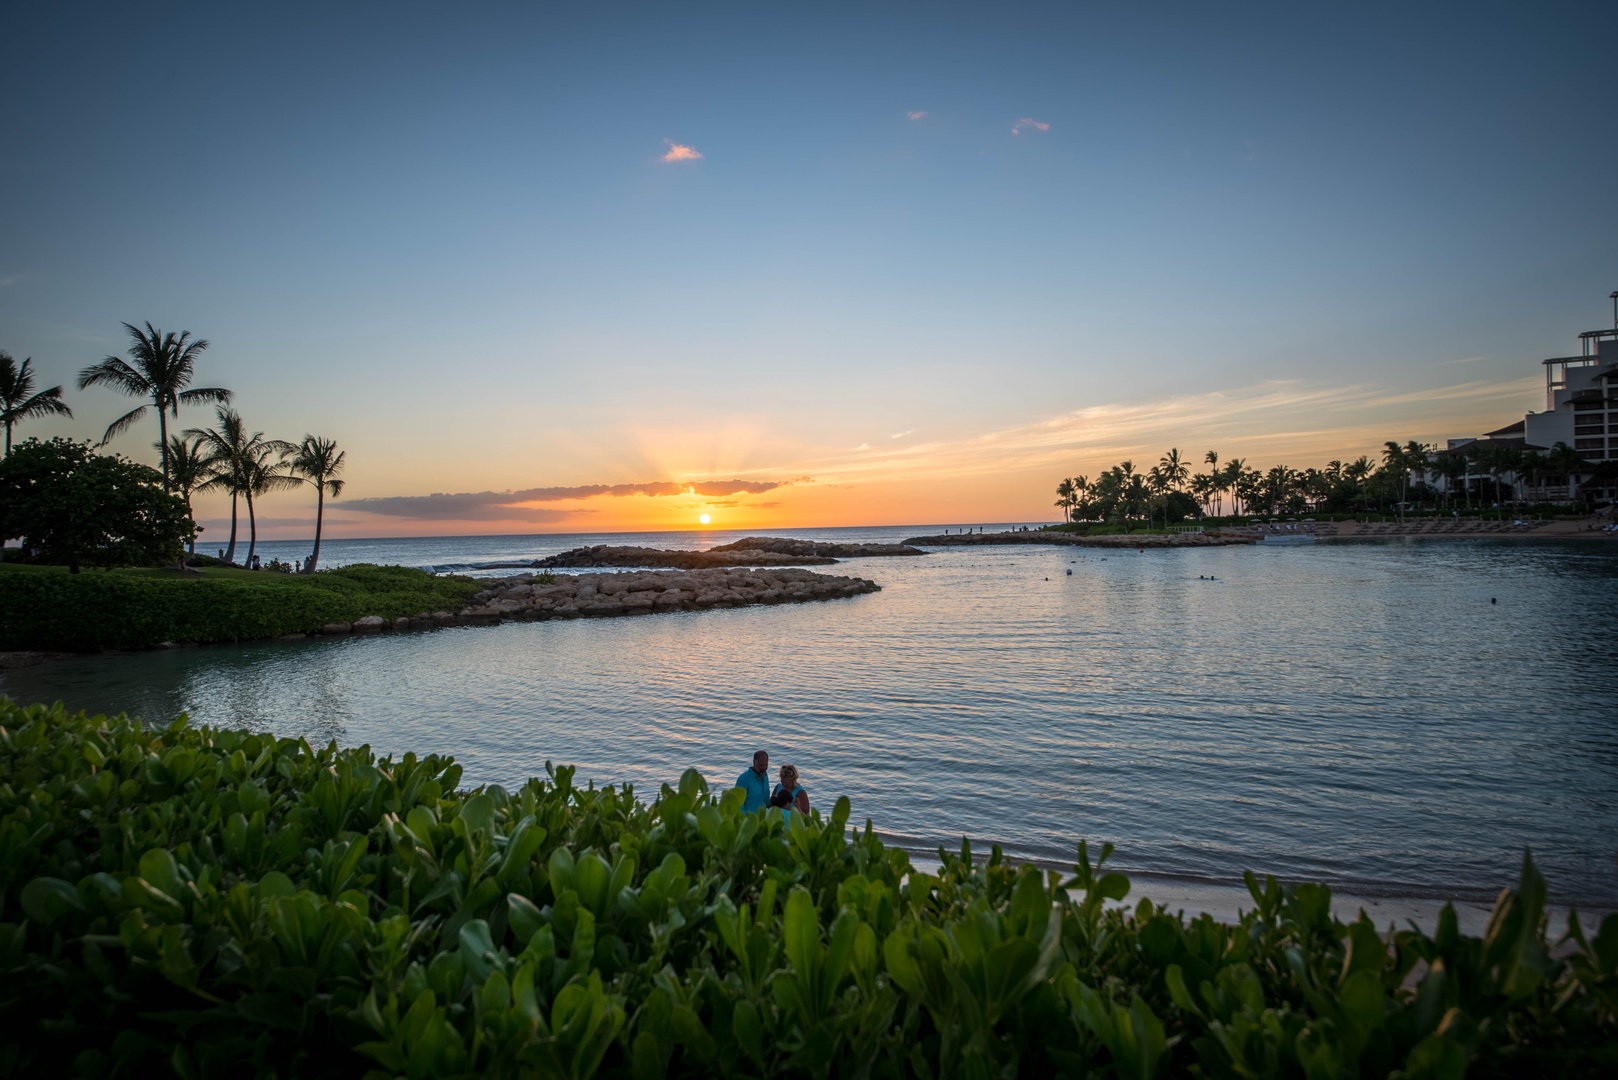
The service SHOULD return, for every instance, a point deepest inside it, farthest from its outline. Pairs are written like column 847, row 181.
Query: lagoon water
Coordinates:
column 1355, row 712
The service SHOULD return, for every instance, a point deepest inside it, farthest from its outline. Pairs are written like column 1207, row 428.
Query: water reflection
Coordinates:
column 1358, row 712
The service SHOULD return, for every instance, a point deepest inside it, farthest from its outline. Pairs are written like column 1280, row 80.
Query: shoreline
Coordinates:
column 1225, row 902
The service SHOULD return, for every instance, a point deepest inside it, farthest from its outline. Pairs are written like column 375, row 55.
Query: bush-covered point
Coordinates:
column 75, row 507
column 47, row 608
column 210, row 903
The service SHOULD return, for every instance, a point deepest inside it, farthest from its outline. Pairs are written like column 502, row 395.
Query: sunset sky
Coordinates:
column 572, row 268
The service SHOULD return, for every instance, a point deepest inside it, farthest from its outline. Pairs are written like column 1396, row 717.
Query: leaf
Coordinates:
column 46, row 899
column 158, row 867
column 749, row 1032
column 523, row 917
column 802, row 934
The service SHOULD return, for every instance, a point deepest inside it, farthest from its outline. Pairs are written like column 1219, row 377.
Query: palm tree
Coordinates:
column 1215, row 482
column 189, row 469
column 1567, row 460
column 263, row 476
column 1083, row 495
column 1064, row 499
column 235, row 458
column 318, row 461
column 162, row 369
column 1229, row 476
column 1175, row 470
column 17, row 398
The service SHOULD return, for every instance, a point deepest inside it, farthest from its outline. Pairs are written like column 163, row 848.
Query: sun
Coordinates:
column 705, row 518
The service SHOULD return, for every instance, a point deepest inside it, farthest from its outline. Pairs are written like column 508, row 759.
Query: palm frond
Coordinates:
column 207, row 395
column 334, row 488
column 123, row 423
column 115, row 372
column 43, row 403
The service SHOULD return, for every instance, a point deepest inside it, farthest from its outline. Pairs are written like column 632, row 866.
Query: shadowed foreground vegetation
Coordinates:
column 214, row 903
column 45, row 607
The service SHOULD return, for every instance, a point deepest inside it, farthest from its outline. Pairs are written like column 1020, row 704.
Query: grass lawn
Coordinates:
column 45, row 607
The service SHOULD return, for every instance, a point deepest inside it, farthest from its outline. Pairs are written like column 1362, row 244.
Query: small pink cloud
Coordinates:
column 1029, row 122
column 916, row 114
column 680, row 152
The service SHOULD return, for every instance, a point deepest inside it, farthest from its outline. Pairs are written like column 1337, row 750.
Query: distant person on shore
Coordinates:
column 789, row 795
column 756, row 782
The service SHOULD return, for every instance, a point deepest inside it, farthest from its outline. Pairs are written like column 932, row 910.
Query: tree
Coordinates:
column 1570, row 464
column 262, row 476
column 1065, row 499
column 1229, row 476
column 1215, row 481
column 17, row 398
column 318, row 461
column 71, row 505
column 236, row 459
column 162, row 369
column 189, row 469
column 1175, row 470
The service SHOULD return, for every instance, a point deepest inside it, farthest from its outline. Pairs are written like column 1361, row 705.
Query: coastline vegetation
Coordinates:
column 201, row 902
column 161, row 367
column 48, row 608
column 1406, row 476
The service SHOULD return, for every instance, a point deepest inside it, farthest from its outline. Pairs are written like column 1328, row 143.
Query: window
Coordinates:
column 1587, row 444
column 1596, row 430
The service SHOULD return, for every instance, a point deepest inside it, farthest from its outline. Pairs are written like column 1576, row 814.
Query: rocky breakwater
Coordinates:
column 806, row 549
column 608, row 555
column 1067, row 539
column 577, row 596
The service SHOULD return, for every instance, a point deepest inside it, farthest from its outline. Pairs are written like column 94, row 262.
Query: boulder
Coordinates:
column 369, row 624
column 336, row 628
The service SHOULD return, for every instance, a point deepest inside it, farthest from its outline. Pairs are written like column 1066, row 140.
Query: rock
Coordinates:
column 401, row 623
column 370, row 624
column 444, row 618
column 336, row 628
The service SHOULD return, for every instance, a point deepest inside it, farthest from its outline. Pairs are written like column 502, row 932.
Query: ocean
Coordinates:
column 1397, row 718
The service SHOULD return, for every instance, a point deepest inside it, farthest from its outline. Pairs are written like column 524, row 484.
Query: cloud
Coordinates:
column 1278, row 420
column 902, row 434
column 496, row 505
column 1029, row 122
column 1462, row 360
column 916, row 114
column 681, row 152
column 11, row 279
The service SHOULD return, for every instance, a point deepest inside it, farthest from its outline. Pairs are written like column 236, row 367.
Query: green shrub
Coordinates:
column 47, row 608
column 207, row 903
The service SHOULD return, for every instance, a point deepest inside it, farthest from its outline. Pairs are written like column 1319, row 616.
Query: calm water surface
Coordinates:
column 1357, row 712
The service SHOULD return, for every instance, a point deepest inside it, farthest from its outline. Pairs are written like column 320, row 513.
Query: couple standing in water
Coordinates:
column 788, row 795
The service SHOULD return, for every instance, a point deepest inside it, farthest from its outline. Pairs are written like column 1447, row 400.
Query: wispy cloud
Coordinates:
column 497, row 505
column 681, row 152
column 916, row 114
column 11, row 279
column 1461, row 360
column 1029, row 122
column 902, row 434
column 1277, row 420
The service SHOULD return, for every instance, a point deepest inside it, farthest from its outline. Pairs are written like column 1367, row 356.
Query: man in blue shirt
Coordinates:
column 756, row 782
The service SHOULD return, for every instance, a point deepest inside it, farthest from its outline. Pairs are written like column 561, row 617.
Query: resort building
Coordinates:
column 1581, row 413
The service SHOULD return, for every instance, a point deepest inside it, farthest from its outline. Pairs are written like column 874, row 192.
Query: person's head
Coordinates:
column 789, row 776
column 761, row 761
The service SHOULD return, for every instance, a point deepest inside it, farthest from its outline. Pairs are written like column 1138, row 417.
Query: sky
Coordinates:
column 582, row 268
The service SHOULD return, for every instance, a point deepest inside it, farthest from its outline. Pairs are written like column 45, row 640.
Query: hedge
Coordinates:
column 50, row 609
column 209, row 903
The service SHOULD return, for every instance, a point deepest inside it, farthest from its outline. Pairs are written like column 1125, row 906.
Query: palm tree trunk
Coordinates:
column 230, row 552
column 163, row 443
column 252, row 530
column 192, row 515
column 320, row 512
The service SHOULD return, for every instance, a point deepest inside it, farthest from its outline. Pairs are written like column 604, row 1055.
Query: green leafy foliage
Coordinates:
column 78, row 508
column 41, row 609
column 209, row 903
